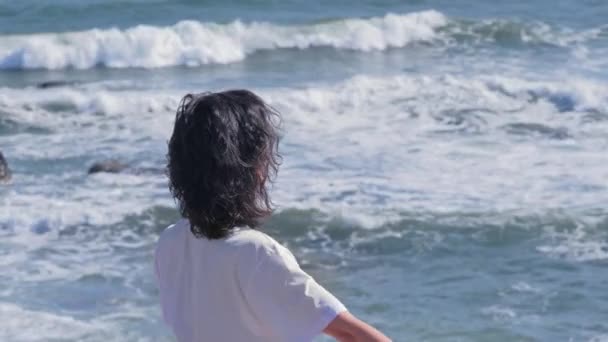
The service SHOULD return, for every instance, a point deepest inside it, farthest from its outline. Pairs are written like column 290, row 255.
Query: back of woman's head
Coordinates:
column 222, row 154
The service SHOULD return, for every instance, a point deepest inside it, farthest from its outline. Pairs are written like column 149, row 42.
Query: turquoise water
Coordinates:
column 444, row 171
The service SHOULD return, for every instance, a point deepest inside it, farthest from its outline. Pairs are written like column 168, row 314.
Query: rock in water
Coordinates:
column 110, row 166
column 5, row 172
column 55, row 84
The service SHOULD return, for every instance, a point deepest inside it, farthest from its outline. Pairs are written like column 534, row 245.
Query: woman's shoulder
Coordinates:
column 174, row 231
column 245, row 237
column 249, row 243
column 260, row 256
column 259, row 247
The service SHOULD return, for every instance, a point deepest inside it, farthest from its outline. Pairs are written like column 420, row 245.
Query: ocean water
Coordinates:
column 445, row 162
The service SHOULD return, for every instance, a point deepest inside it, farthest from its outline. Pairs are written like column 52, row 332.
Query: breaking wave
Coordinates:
column 193, row 43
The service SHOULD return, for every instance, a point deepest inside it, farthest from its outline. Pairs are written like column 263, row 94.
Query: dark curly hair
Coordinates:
column 222, row 154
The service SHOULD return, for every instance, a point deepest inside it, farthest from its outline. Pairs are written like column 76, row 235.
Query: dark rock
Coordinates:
column 5, row 172
column 55, row 84
column 109, row 166
column 116, row 166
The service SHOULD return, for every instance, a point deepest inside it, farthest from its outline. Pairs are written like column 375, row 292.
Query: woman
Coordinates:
column 220, row 279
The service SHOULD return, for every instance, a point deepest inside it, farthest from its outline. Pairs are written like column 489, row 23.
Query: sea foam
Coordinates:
column 193, row 43
column 407, row 132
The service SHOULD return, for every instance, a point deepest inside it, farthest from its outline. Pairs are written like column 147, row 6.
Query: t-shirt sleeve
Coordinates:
column 286, row 300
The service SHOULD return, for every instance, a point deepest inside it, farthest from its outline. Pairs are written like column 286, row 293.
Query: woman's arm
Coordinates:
column 348, row 328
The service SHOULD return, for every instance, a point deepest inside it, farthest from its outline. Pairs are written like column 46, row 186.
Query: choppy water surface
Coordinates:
column 445, row 167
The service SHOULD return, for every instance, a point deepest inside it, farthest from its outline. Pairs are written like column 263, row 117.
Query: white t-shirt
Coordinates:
column 247, row 287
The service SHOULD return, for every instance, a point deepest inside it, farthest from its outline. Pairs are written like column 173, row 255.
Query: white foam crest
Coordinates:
column 30, row 102
column 522, row 286
column 599, row 338
column 194, row 43
column 580, row 245
column 383, row 126
column 577, row 250
column 341, row 100
column 567, row 37
column 509, row 31
column 19, row 324
column 89, row 119
column 365, row 148
column 583, row 93
column 500, row 313
column 38, row 212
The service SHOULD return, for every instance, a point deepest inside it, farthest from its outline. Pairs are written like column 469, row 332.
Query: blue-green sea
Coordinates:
column 445, row 162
